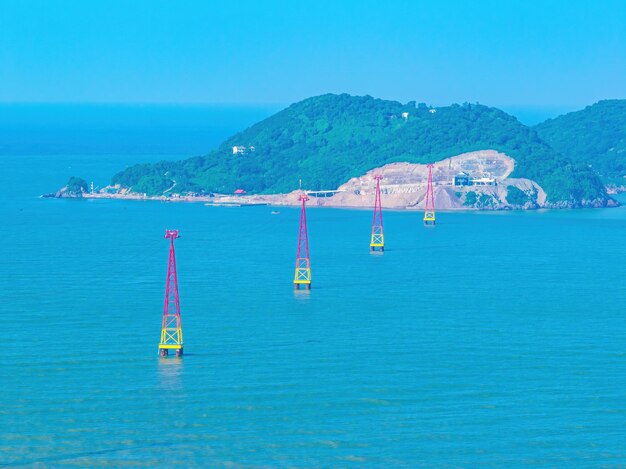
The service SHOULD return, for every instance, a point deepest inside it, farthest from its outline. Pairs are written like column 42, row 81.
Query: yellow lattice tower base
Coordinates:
column 378, row 240
column 303, row 273
column 429, row 218
column 171, row 337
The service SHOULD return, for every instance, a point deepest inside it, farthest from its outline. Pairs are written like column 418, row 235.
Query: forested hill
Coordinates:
column 326, row 140
column 596, row 136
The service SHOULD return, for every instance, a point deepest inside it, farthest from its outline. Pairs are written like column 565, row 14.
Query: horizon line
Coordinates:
column 287, row 104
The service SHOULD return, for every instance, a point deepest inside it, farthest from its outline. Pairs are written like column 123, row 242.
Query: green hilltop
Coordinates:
column 326, row 140
column 595, row 135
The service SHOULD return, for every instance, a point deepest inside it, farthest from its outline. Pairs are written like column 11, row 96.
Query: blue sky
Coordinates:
column 505, row 53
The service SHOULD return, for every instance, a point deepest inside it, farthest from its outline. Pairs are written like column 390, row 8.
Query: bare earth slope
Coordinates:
column 404, row 184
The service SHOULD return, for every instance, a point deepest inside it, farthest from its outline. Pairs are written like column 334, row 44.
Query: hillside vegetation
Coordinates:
column 595, row 136
column 326, row 140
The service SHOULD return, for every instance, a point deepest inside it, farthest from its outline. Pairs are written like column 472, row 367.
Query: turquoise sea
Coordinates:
column 492, row 339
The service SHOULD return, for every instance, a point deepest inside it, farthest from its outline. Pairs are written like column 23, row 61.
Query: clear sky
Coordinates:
column 503, row 53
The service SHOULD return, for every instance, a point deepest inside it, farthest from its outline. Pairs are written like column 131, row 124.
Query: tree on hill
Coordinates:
column 76, row 185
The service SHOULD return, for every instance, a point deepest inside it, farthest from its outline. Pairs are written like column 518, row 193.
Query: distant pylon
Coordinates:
column 171, row 331
column 303, row 261
column 429, row 207
column 378, row 236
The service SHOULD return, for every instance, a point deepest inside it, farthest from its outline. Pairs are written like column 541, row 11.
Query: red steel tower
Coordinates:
column 378, row 237
column 303, row 261
column 429, row 207
column 171, row 330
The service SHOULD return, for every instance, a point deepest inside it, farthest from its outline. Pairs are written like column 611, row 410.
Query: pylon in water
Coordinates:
column 429, row 207
column 303, row 261
column 171, row 331
column 378, row 236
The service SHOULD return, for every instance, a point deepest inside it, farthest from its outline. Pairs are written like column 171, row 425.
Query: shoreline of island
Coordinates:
column 292, row 200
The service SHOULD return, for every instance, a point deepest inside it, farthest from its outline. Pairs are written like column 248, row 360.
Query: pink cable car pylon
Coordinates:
column 429, row 206
column 171, row 330
column 378, row 236
column 303, row 261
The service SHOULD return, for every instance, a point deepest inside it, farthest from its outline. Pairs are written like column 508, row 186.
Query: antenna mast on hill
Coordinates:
column 378, row 237
column 429, row 206
column 171, row 330
column 303, row 261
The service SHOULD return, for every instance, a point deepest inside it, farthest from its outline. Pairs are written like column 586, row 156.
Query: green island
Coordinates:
column 325, row 141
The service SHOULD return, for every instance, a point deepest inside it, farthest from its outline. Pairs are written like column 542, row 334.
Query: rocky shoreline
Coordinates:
column 292, row 200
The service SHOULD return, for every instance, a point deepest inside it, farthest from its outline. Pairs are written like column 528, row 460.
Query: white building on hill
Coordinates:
column 243, row 150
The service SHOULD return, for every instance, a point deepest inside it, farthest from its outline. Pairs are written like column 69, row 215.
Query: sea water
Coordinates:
column 491, row 339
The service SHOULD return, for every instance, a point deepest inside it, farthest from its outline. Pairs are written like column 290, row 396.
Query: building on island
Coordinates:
column 404, row 115
column 484, row 181
column 243, row 150
column 462, row 179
